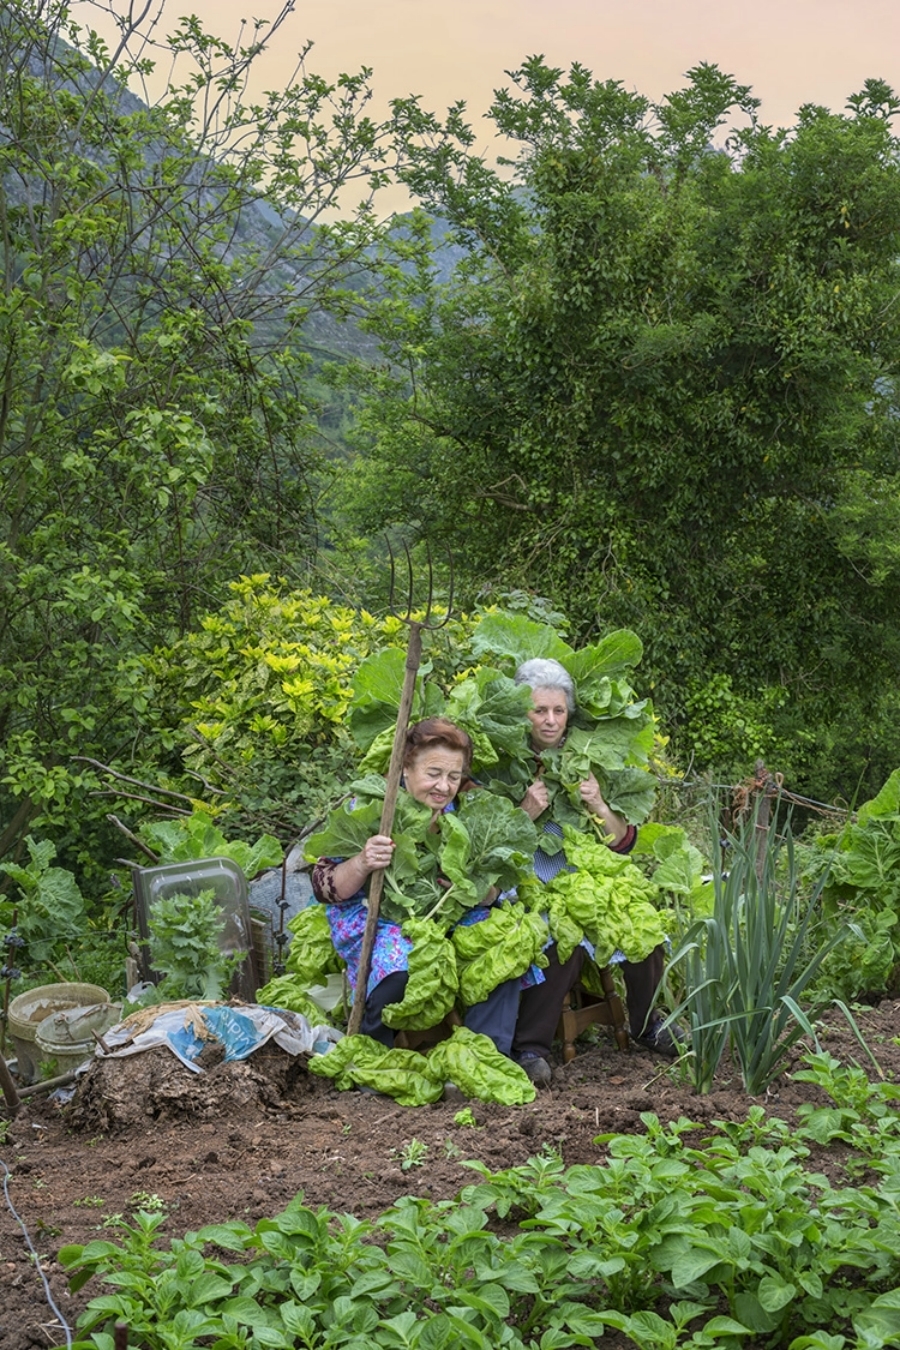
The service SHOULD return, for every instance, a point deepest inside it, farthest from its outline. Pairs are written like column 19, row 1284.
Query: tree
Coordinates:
column 161, row 266
column 661, row 390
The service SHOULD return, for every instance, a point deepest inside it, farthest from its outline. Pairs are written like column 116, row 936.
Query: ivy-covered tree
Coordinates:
column 163, row 267
column 660, row 388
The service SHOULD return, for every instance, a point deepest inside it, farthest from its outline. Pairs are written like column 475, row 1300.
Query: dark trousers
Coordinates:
column 495, row 1017
column 540, row 1007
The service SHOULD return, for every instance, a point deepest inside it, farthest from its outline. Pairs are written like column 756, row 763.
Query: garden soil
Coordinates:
column 240, row 1140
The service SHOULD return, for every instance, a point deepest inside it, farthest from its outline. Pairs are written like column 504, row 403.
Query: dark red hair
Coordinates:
column 437, row 731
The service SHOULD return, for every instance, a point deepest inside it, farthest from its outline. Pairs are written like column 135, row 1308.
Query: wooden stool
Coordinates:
column 582, row 1009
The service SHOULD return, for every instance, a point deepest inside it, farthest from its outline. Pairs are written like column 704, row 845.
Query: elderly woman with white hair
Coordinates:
column 553, row 704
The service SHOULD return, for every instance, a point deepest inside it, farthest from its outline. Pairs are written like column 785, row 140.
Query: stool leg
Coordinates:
column 568, row 1030
column 616, row 1008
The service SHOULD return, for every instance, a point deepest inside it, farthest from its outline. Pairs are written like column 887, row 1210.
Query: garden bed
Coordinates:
column 240, row 1141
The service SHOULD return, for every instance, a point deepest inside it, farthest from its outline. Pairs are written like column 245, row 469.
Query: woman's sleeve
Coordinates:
column 627, row 842
column 323, row 881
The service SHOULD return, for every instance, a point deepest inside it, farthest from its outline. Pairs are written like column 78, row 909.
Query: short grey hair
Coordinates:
column 543, row 673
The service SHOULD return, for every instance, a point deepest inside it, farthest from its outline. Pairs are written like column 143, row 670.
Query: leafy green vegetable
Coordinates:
column 493, row 709
column 285, row 991
column 679, row 869
column 499, row 948
column 433, row 981
column 475, row 1065
column 885, row 805
column 51, row 907
column 607, row 899
column 185, row 946
column 861, row 870
column 611, row 734
column 358, row 1061
column 618, row 651
column 353, row 822
column 310, row 959
column 311, row 956
column 346, row 831
column 197, row 836
column 486, row 842
column 377, row 687
column 517, row 638
column 468, row 1059
column 631, row 793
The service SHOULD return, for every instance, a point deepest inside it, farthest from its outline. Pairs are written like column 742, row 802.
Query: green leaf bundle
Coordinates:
column 311, row 956
column 607, row 899
column 499, row 948
column 610, row 736
column 433, row 980
column 185, row 936
column 485, row 843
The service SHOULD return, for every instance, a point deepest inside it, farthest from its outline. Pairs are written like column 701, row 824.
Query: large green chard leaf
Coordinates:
column 608, row 898
column 377, row 690
column 311, row 957
column 608, row 746
column 491, row 705
column 369, row 785
column 630, row 792
column 608, row 698
column 345, row 832
column 518, row 639
column 869, row 859
column 618, row 651
column 357, row 819
column 500, row 844
column 885, row 805
column 433, row 982
column 499, row 948
column 475, row 1064
column 517, row 776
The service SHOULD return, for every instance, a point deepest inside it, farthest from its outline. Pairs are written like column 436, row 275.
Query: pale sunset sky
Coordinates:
column 791, row 51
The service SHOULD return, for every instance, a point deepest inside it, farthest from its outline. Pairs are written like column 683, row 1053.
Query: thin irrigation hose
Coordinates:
column 37, row 1261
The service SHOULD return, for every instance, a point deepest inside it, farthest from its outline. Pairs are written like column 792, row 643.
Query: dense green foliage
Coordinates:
column 660, row 389
column 859, row 869
column 155, row 439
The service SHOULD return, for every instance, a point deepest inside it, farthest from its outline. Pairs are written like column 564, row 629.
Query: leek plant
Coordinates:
column 747, row 966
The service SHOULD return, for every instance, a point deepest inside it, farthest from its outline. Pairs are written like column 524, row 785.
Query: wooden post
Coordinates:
column 8, row 1086
column 764, row 789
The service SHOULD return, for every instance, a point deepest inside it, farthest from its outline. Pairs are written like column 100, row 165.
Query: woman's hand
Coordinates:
column 592, row 796
column 377, row 852
column 536, row 799
column 615, row 825
column 351, row 875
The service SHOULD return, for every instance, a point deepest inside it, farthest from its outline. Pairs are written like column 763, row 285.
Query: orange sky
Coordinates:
column 791, row 51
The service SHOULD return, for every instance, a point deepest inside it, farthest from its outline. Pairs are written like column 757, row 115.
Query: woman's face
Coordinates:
column 549, row 716
column 434, row 775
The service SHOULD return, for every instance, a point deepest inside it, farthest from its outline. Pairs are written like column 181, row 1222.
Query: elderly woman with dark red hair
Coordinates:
column 436, row 767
